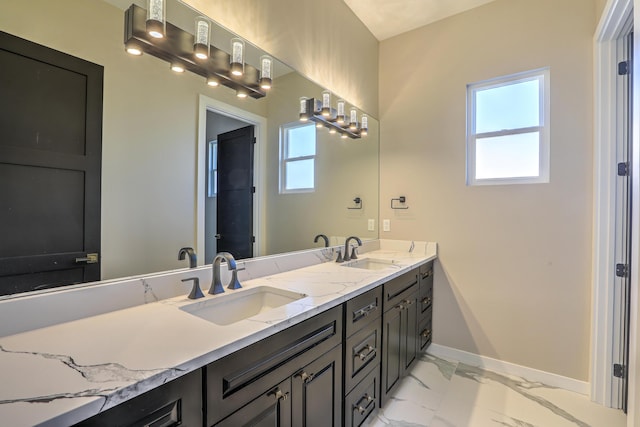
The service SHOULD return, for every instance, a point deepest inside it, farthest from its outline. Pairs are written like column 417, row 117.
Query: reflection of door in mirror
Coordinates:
column 50, row 145
column 229, row 204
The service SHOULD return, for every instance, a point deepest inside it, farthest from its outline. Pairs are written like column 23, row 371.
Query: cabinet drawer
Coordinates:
column 425, row 298
column 273, row 408
column 425, row 330
column 235, row 380
column 398, row 289
column 362, row 352
column 362, row 309
column 362, row 403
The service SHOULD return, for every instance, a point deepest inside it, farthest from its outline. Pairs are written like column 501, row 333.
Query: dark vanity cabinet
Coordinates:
column 291, row 378
column 425, row 299
column 399, row 330
column 362, row 355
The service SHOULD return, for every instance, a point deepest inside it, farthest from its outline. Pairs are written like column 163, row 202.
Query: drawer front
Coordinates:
column 362, row 309
column 361, row 404
column 237, row 379
column 425, row 298
column 425, row 330
column 398, row 289
column 362, row 352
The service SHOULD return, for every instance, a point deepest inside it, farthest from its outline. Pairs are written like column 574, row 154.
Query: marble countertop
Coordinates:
column 64, row 373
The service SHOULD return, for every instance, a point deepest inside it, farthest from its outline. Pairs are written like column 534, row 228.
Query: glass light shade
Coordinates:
column 326, row 103
column 178, row 68
column 155, row 18
column 201, row 38
column 304, row 112
column 364, row 125
column 340, row 108
column 266, row 66
column 213, row 81
column 353, row 118
column 242, row 93
column 237, row 56
column 133, row 48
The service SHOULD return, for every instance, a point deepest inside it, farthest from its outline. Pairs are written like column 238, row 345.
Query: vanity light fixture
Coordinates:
column 340, row 108
column 241, row 93
column 353, row 119
column 314, row 110
column 201, row 42
column 364, row 125
column 177, row 67
column 332, row 130
column 189, row 50
column 155, row 23
column 326, row 103
column 266, row 65
column 304, row 109
column 343, row 136
column 237, row 56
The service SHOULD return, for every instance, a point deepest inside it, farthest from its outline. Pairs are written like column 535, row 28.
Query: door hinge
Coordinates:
column 253, row 189
column 623, row 169
column 253, row 239
column 619, row 371
column 623, row 68
column 622, row 270
column 254, row 140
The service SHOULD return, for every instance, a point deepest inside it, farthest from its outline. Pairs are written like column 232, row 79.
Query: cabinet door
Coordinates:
column 392, row 343
column 272, row 408
column 410, row 331
column 317, row 392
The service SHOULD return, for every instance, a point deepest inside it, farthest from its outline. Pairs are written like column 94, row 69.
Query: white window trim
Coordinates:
column 283, row 161
column 542, row 74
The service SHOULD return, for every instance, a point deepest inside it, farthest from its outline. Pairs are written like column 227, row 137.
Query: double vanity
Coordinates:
column 305, row 341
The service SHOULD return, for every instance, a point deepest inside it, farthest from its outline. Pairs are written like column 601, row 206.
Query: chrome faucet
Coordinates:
column 193, row 260
column 353, row 255
column 322, row 236
column 216, row 284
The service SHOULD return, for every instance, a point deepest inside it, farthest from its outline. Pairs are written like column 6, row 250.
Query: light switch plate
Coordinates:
column 371, row 225
column 386, row 225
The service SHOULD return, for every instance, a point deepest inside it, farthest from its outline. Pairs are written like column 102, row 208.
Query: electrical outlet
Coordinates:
column 371, row 225
column 386, row 225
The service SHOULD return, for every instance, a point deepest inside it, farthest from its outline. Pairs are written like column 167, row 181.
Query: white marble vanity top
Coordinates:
column 60, row 374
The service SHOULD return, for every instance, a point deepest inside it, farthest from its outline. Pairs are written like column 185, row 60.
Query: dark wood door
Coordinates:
column 317, row 392
column 234, row 225
column 50, row 160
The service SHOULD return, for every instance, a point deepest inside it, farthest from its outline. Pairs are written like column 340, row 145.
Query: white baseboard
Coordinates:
column 500, row 366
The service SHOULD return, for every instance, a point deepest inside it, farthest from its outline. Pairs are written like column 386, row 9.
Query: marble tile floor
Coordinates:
column 447, row 393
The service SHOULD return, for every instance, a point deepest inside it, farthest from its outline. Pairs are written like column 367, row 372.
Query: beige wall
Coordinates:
column 322, row 39
column 514, row 278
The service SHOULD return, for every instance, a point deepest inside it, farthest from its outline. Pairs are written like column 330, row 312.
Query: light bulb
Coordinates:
column 242, row 93
column 133, row 48
column 155, row 18
column 178, row 68
column 213, row 81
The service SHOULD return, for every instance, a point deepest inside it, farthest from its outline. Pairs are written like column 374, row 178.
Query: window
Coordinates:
column 297, row 157
column 212, row 172
column 508, row 129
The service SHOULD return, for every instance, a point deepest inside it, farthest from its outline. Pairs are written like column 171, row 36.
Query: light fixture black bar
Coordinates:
column 177, row 45
column 331, row 121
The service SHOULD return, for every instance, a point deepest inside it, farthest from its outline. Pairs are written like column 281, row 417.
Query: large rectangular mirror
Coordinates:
column 158, row 130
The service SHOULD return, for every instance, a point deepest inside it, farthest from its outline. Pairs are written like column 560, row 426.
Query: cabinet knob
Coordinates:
column 426, row 300
column 304, row 376
column 408, row 301
column 278, row 394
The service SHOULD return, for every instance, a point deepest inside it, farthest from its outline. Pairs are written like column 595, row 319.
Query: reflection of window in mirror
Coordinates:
column 212, row 169
column 297, row 157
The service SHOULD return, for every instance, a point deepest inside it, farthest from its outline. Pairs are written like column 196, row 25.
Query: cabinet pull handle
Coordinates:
column 426, row 300
column 304, row 376
column 400, row 306
column 369, row 351
column 408, row 301
column 426, row 333
column 362, row 409
column 278, row 394
column 365, row 311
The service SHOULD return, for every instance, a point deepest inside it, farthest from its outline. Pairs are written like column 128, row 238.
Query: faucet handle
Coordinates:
column 354, row 252
column 339, row 258
column 196, row 292
column 234, row 283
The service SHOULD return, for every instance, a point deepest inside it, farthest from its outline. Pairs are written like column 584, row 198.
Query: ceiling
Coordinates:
column 388, row 18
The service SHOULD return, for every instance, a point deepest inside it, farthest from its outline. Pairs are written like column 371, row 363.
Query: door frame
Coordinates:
column 205, row 104
column 610, row 29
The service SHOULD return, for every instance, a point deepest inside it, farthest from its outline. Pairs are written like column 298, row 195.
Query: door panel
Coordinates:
column 50, row 166
column 235, row 192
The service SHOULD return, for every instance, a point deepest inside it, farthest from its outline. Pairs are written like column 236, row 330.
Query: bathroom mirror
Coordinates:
column 155, row 144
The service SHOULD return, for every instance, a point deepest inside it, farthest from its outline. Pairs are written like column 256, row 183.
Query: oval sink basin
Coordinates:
column 370, row 263
column 239, row 305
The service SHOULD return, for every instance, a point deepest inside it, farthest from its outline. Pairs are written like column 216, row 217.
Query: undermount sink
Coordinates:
column 235, row 306
column 371, row 263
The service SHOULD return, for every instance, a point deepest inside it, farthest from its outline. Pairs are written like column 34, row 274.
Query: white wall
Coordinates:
column 514, row 276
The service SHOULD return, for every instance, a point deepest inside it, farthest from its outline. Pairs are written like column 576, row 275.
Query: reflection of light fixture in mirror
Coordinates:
column 266, row 64
column 364, row 125
column 332, row 130
column 177, row 67
column 213, row 81
column 155, row 18
column 326, row 103
column 343, row 136
column 242, row 93
column 340, row 116
column 237, row 56
column 201, row 39
column 319, row 125
column 304, row 111
column 353, row 119
column 133, row 47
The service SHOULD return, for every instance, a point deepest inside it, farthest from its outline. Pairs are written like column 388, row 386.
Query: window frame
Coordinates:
column 284, row 161
column 543, row 77
column 212, row 168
